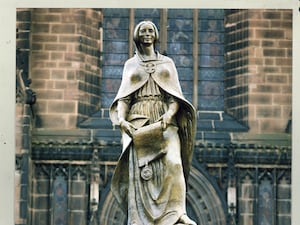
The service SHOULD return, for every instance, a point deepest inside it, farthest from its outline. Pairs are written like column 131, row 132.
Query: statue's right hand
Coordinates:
column 127, row 127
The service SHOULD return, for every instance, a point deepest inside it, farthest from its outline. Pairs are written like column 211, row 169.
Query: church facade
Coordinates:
column 235, row 66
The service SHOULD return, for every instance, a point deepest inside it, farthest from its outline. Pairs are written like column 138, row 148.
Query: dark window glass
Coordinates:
column 60, row 206
column 180, row 46
column 115, row 48
column 179, row 32
column 265, row 203
column 211, row 59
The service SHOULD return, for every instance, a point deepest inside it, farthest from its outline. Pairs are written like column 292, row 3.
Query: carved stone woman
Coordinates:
column 158, row 127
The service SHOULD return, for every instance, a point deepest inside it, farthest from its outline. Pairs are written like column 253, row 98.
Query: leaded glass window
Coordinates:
column 60, row 201
column 177, row 40
column 265, row 203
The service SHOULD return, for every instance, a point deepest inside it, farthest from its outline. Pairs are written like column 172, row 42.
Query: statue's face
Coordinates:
column 146, row 34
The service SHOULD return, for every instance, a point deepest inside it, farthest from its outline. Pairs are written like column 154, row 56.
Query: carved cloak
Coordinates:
column 135, row 74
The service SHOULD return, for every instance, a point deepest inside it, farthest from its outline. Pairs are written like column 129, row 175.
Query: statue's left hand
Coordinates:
column 127, row 127
column 168, row 116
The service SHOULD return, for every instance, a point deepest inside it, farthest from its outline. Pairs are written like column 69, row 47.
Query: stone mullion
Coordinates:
column 245, row 196
column 69, row 194
column 231, row 186
column 282, row 195
column 51, row 195
column 163, row 31
column 256, row 197
column 94, row 187
column 238, row 194
column 30, row 187
column 130, row 33
column 270, row 174
column 33, row 182
column 195, row 57
column 23, row 31
column 274, row 197
column 23, row 172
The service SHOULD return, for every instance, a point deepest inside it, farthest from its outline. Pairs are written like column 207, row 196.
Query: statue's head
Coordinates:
column 137, row 29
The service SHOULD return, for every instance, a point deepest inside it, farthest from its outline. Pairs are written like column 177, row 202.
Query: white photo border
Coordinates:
column 7, row 78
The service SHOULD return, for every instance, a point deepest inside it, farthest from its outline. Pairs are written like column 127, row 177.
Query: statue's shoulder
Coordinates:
column 133, row 61
column 165, row 58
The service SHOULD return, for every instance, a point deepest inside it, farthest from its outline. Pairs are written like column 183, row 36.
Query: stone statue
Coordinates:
column 158, row 127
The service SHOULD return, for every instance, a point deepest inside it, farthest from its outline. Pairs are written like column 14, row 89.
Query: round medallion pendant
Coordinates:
column 150, row 67
column 146, row 173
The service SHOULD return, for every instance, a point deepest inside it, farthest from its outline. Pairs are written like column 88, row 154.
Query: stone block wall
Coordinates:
column 259, row 68
column 236, row 58
column 258, row 200
column 65, row 65
column 23, row 146
column 23, row 26
column 270, row 70
column 60, row 194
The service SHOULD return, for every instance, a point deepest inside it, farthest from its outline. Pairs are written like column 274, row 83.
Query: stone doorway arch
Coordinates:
column 204, row 203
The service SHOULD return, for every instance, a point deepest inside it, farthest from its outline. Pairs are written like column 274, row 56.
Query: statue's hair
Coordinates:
column 137, row 29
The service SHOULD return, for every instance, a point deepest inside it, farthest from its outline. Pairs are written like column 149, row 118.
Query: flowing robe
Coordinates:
column 148, row 87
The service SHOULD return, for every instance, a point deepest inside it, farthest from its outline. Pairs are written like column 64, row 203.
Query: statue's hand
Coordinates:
column 127, row 127
column 166, row 119
column 168, row 116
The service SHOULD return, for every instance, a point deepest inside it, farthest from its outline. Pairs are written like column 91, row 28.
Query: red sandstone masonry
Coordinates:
column 44, row 38
column 268, row 111
column 56, row 56
column 284, row 100
column 41, row 28
column 272, row 15
column 57, row 107
column 276, row 79
column 259, row 99
column 55, row 47
column 268, row 34
column 269, row 69
column 42, row 106
column 265, row 88
column 45, row 17
column 40, row 74
column 269, row 61
column 59, row 37
column 272, row 125
column 266, row 100
column 63, row 28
